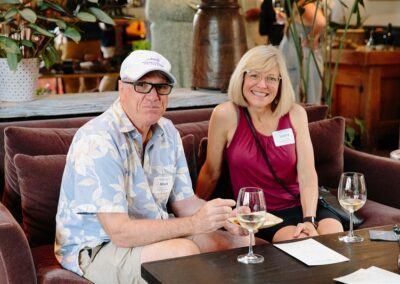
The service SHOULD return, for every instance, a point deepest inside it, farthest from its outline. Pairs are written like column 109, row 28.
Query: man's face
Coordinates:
column 143, row 109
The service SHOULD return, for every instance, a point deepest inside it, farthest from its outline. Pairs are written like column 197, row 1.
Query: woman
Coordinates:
column 261, row 85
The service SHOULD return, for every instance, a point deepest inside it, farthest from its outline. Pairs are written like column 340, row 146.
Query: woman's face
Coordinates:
column 261, row 87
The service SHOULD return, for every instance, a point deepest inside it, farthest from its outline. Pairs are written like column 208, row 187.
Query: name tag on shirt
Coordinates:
column 283, row 137
column 162, row 186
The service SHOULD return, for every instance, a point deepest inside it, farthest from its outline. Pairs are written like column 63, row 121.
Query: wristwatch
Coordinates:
column 312, row 220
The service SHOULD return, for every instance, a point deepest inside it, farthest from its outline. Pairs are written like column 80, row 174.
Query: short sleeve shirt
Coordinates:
column 106, row 172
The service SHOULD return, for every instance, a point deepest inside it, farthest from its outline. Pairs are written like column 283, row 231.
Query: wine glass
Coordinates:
column 352, row 195
column 251, row 212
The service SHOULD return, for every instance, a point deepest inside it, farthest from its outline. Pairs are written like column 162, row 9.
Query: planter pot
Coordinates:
column 19, row 85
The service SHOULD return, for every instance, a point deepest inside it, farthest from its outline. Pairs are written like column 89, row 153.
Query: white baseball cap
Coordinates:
column 141, row 62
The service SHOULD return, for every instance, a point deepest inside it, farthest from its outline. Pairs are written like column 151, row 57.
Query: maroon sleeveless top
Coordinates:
column 247, row 166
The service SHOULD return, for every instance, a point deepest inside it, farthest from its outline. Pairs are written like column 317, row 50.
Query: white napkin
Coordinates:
column 370, row 275
column 312, row 252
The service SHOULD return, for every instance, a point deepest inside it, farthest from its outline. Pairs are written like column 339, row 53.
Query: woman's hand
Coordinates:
column 304, row 230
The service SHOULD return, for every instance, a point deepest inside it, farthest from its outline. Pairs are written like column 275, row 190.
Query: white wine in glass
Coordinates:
column 352, row 195
column 251, row 213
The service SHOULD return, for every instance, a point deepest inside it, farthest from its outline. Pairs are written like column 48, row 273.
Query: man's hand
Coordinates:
column 235, row 228
column 212, row 216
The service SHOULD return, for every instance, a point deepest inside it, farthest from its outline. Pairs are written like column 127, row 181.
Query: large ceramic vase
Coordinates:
column 19, row 85
column 219, row 41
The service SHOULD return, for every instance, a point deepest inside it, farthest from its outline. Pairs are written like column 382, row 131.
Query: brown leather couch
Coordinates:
column 34, row 157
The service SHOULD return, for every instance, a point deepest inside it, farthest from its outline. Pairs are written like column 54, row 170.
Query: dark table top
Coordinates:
column 278, row 267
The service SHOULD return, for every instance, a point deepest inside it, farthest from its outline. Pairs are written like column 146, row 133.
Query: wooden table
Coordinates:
column 367, row 87
column 278, row 267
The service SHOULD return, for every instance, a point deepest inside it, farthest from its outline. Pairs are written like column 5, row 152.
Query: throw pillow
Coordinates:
column 29, row 141
column 188, row 147
column 199, row 129
column 39, row 180
column 316, row 112
column 327, row 137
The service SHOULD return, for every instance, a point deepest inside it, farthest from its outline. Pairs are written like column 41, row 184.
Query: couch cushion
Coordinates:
column 29, row 141
column 48, row 270
column 189, row 115
column 316, row 112
column 198, row 129
column 378, row 214
column 39, row 180
column 327, row 137
column 188, row 147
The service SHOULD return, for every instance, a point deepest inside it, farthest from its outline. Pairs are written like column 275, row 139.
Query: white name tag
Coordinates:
column 283, row 137
column 162, row 187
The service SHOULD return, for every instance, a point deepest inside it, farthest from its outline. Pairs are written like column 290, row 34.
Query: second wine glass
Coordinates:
column 352, row 195
column 251, row 213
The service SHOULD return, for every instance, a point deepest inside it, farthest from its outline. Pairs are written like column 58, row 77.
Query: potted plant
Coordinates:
column 328, row 71
column 27, row 32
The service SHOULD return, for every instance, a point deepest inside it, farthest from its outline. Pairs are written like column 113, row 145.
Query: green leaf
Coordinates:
column 27, row 43
column 46, row 60
column 86, row 17
column 53, row 20
column 55, row 6
column 9, row 2
column 12, row 60
column 73, row 34
column 50, row 56
column 9, row 45
column 41, row 30
column 102, row 16
column 28, row 14
column 10, row 14
column 360, row 124
column 53, row 54
column 61, row 24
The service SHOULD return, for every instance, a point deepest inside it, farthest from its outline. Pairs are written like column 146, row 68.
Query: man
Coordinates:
column 122, row 169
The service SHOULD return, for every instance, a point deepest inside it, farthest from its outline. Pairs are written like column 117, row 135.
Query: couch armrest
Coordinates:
column 16, row 263
column 381, row 175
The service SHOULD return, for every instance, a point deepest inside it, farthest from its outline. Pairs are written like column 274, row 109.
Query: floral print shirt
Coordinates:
column 106, row 172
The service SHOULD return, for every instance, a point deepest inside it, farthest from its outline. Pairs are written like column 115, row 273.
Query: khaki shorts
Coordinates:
column 110, row 264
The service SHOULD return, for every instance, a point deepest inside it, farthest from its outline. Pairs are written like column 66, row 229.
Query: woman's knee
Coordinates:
column 284, row 234
column 329, row 226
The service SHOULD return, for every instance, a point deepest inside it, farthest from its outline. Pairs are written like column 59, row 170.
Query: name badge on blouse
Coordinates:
column 283, row 137
column 162, row 186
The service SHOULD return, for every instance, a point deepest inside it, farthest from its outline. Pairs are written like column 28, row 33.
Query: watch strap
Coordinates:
column 312, row 220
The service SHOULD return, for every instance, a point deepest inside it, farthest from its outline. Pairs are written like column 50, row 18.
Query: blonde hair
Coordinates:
column 262, row 57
